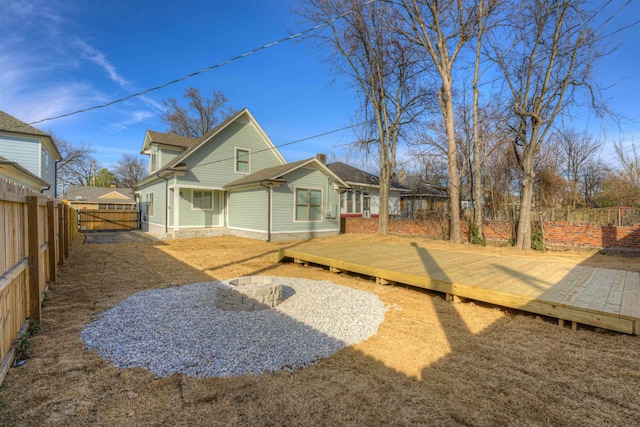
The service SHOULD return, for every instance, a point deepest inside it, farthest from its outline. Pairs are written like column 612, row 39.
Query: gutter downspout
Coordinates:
column 269, row 189
column 55, row 179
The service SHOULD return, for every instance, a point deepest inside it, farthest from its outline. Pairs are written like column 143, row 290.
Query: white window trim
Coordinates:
column 345, row 198
column 151, row 209
column 213, row 202
column 235, row 160
column 153, row 164
column 295, row 202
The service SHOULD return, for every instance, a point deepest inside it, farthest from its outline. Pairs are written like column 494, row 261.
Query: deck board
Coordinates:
column 599, row 297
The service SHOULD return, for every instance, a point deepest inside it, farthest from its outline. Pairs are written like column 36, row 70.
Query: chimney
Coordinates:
column 402, row 177
column 322, row 158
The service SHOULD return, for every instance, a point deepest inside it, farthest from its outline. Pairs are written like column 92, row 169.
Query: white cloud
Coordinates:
column 100, row 59
column 133, row 118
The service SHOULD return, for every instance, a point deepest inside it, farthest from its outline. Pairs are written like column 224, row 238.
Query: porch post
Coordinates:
column 176, row 208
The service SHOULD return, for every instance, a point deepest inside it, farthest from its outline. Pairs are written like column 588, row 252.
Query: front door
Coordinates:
column 366, row 203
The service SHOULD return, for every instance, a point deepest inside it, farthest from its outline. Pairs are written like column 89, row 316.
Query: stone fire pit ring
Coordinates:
column 249, row 293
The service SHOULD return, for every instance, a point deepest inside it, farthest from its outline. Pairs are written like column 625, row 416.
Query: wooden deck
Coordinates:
column 600, row 297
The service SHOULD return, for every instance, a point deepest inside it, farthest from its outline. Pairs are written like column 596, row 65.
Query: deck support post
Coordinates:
column 574, row 326
column 334, row 269
column 455, row 299
column 561, row 322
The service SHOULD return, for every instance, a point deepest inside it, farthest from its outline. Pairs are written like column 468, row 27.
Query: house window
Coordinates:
column 153, row 161
column 242, row 160
column 202, row 199
column 308, row 204
column 351, row 202
column 149, row 204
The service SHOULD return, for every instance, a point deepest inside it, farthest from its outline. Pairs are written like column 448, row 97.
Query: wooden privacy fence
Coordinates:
column 107, row 219
column 34, row 240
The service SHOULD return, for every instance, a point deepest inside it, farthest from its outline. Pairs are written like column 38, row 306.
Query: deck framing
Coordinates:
column 604, row 298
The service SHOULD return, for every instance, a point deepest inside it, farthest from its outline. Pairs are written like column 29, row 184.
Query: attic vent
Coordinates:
column 78, row 197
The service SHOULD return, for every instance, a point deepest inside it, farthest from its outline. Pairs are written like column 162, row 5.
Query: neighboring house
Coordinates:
column 25, row 149
column 233, row 180
column 422, row 197
column 111, row 198
column 363, row 198
column 13, row 172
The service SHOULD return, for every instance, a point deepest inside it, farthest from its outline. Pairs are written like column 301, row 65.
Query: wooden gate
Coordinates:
column 103, row 219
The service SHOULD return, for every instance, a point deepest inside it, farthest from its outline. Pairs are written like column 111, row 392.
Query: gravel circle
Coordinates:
column 180, row 329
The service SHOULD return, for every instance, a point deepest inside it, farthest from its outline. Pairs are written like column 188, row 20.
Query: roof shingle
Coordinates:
column 171, row 139
column 268, row 174
column 350, row 174
column 9, row 123
column 93, row 194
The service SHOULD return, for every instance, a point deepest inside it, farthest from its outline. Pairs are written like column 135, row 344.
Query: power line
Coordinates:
column 619, row 30
column 204, row 70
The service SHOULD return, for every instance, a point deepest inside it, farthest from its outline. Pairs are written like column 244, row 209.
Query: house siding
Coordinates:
column 195, row 217
column 159, row 201
column 167, row 155
column 25, row 151
column 248, row 209
column 394, row 203
column 283, row 202
column 214, row 163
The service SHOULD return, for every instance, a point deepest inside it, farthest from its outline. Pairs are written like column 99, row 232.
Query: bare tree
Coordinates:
column 441, row 29
column 485, row 8
column 130, row 169
column 202, row 115
column 545, row 56
column 629, row 160
column 622, row 187
column 576, row 150
column 617, row 190
column 77, row 165
column 592, row 177
column 365, row 46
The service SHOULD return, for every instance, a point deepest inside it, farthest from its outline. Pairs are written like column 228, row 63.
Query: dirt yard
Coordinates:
column 431, row 362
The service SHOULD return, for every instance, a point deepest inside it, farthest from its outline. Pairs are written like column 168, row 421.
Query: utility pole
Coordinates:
column 93, row 171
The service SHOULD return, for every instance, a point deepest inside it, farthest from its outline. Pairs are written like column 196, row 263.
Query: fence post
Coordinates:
column 61, row 234
column 619, row 217
column 51, row 244
column 34, row 249
column 66, row 230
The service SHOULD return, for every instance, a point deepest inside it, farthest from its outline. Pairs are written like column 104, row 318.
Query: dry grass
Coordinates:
column 431, row 363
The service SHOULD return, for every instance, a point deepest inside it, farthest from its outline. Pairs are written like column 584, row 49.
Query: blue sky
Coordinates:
column 61, row 56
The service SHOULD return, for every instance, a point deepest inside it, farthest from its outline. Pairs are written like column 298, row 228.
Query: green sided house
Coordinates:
column 233, row 180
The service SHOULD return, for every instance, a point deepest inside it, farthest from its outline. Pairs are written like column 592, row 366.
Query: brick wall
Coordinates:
column 591, row 235
column 556, row 233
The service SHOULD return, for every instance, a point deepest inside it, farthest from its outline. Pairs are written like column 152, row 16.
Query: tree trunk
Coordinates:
column 446, row 103
column 385, row 184
column 523, row 240
column 476, row 184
